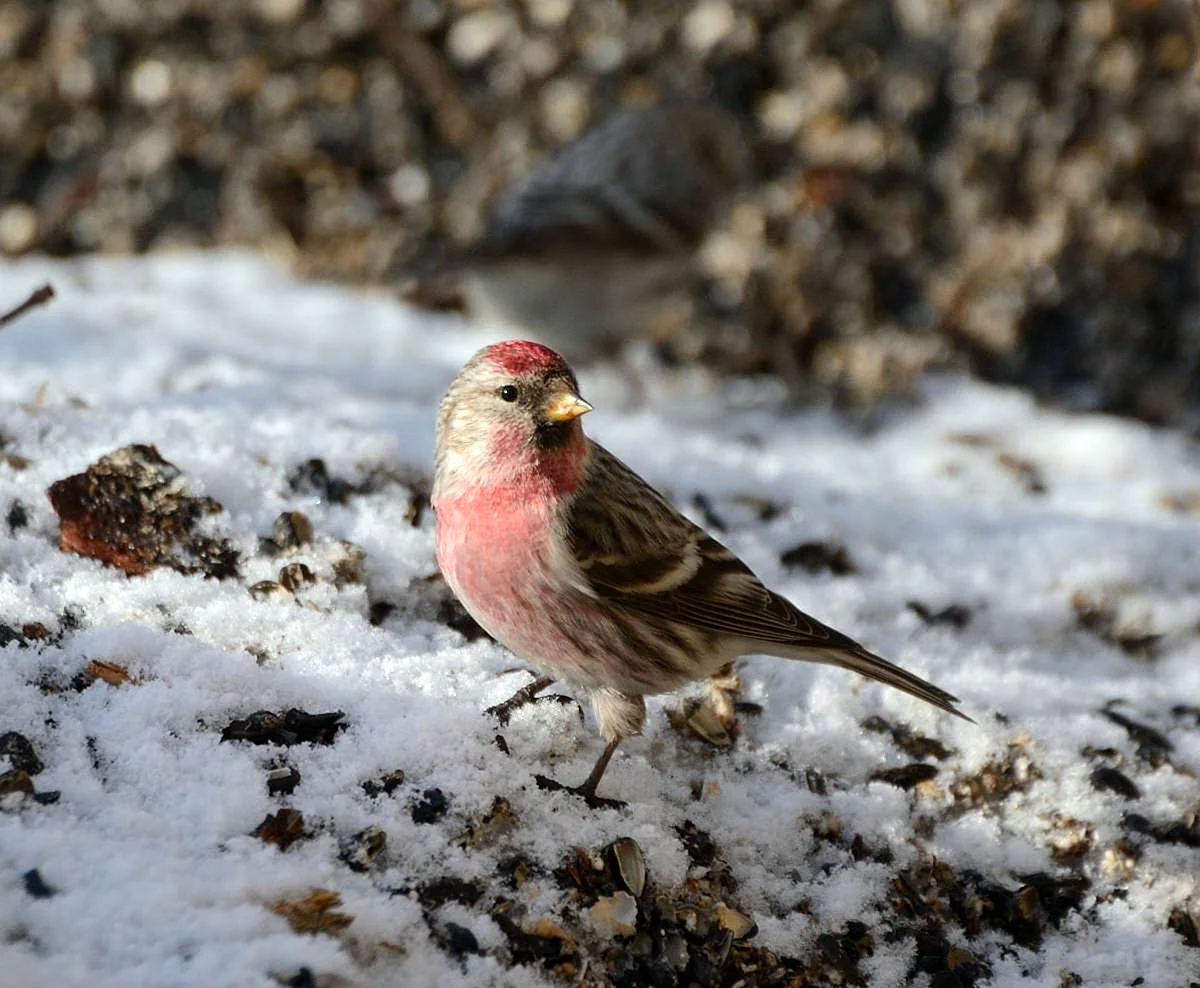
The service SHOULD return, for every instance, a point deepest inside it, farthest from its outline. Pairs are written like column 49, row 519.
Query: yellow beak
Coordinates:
column 565, row 406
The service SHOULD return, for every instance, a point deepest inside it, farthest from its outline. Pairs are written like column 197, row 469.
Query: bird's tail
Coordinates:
column 872, row 666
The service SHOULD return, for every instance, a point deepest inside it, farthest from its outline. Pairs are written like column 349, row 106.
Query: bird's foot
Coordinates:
column 588, row 795
column 527, row 694
column 562, row 700
column 503, row 711
column 588, row 788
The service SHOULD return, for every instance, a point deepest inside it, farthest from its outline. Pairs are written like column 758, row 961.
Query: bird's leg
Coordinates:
column 526, row 694
column 587, row 789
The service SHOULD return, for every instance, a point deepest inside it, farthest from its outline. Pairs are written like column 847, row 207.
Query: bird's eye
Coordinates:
column 508, row 392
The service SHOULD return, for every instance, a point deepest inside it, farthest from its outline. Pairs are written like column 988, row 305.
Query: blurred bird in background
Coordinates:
column 598, row 244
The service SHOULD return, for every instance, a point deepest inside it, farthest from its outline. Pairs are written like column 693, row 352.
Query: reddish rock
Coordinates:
column 130, row 510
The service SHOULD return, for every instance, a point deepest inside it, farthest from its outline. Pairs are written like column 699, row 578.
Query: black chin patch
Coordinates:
column 553, row 435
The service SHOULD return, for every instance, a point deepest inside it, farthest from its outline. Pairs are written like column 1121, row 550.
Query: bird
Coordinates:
column 592, row 246
column 567, row 557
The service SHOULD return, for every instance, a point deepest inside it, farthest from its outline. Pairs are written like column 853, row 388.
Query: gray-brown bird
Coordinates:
column 592, row 245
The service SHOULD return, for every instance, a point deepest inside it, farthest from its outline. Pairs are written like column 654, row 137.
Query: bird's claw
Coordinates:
column 527, row 694
column 563, row 700
column 587, row 794
column 503, row 711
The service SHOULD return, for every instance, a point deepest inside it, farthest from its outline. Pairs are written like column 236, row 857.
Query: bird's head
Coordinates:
column 512, row 416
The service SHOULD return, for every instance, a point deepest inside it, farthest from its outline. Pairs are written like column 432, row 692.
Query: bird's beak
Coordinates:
column 565, row 407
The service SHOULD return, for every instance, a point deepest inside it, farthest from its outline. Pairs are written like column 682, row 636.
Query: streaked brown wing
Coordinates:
column 638, row 552
column 641, row 555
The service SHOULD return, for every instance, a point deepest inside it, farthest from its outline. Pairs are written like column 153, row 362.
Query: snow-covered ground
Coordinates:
column 1061, row 536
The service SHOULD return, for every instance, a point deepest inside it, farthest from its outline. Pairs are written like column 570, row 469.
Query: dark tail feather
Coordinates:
column 873, row 667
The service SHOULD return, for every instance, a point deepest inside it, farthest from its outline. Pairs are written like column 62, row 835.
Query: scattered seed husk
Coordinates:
column 614, row 915
column 363, row 851
column 739, row 924
column 315, row 913
column 293, row 576
column 629, row 864
column 270, row 590
column 292, row 530
column 282, row 828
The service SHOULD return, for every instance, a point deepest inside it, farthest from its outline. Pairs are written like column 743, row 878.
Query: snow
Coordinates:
column 237, row 373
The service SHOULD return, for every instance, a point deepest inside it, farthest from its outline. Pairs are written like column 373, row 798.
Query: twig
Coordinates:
column 39, row 296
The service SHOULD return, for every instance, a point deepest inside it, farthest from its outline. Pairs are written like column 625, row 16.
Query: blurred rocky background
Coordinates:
column 1007, row 185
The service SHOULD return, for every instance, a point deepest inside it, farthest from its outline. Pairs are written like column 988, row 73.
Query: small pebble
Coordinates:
column 431, row 807
column 20, row 753
column 282, row 781
column 36, row 886
column 363, row 851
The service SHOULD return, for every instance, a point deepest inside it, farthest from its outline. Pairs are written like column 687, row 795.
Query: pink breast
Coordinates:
column 492, row 551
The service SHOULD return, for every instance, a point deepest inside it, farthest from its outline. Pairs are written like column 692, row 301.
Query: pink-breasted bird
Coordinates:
column 577, row 565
